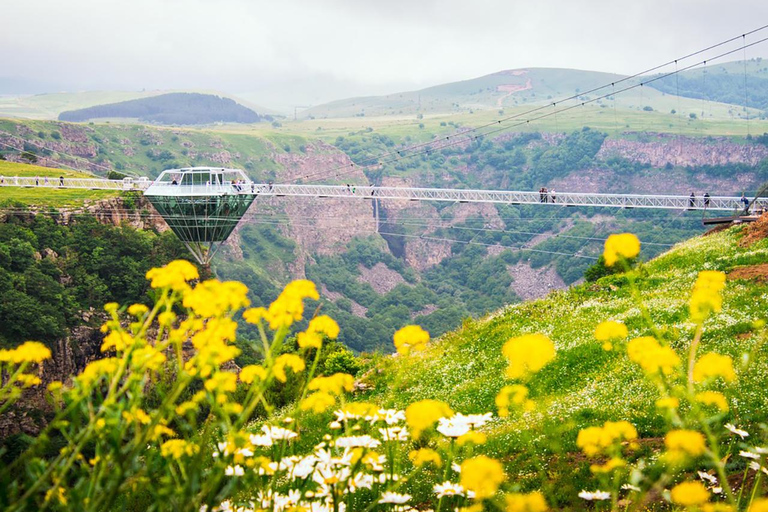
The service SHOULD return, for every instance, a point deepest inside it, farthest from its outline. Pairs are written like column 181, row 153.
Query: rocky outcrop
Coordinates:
column 532, row 283
column 662, row 149
column 381, row 278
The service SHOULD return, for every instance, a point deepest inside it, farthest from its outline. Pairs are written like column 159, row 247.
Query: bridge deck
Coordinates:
column 670, row 202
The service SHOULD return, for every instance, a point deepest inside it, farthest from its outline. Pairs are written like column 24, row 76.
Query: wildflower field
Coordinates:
column 644, row 390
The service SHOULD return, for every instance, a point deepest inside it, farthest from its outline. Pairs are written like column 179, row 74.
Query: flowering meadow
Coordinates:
column 645, row 390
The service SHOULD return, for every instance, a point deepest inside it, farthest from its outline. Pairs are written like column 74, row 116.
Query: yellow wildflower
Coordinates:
column 532, row 502
column 177, row 448
column 138, row 416
column 689, row 494
column 609, row 466
column 424, row 456
column 515, row 394
column 97, row 369
column 651, row 356
column 527, row 354
column 318, row 402
column 706, row 297
column 183, row 408
column 138, row 310
column 712, row 398
column 336, row 384
column 421, row 415
column 625, row 245
column 147, row 357
column 685, row 442
column 759, row 505
column 473, row 436
column 117, row 340
column 27, row 380
column 289, row 305
column 254, row 315
column 27, row 352
column 360, row 409
column 174, row 275
column 610, row 330
column 252, row 372
column 411, row 338
column 162, row 430
column 325, row 325
column 222, row 381
column 166, row 318
column 292, row 361
column 711, row 366
column 482, row 475
column 213, row 298
column 668, row 403
column 309, row 339
column 595, row 440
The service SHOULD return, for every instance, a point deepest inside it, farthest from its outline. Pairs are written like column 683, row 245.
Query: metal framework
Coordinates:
column 247, row 188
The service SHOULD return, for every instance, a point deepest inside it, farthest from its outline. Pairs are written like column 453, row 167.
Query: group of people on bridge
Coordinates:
column 545, row 195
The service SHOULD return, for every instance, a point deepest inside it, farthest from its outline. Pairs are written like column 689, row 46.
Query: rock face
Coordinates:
column 381, row 278
column 665, row 149
column 530, row 283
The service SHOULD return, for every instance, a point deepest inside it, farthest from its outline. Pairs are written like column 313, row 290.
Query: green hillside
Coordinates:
column 45, row 197
column 586, row 385
column 179, row 108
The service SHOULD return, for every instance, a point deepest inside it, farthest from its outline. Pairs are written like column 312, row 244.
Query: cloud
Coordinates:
column 356, row 46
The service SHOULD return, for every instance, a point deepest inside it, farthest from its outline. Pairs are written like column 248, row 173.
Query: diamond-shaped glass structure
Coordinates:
column 202, row 205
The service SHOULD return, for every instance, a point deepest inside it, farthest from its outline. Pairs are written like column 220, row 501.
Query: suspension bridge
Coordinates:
column 203, row 205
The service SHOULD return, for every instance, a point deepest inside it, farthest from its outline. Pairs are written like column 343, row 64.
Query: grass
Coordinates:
column 586, row 385
column 55, row 198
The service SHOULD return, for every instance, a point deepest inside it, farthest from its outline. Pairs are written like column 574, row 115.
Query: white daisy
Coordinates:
column 596, row 495
column 393, row 497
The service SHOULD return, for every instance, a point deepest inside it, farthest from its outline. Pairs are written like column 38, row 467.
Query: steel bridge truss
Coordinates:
column 667, row 202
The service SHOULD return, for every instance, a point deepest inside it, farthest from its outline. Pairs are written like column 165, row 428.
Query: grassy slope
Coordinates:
column 47, row 197
column 586, row 385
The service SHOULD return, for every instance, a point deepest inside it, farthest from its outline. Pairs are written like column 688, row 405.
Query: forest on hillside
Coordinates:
column 173, row 108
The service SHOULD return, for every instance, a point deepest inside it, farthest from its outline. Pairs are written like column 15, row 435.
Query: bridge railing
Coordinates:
column 721, row 203
column 671, row 202
column 81, row 183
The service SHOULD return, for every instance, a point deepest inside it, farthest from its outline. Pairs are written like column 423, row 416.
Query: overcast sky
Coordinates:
column 309, row 51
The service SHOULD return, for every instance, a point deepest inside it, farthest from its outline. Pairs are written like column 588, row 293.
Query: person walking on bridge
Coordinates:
column 692, row 200
column 745, row 202
column 706, row 199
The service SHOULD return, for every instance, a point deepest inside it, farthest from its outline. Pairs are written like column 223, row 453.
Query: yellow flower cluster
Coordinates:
column 97, row 369
column 625, row 245
column 318, row 326
column 532, row 502
column 706, row 297
column 596, row 440
column 252, row 372
column 174, row 275
column 336, row 384
column 684, row 443
column 424, row 456
column 514, row 395
column 117, row 340
column 289, row 305
column 689, row 494
column 27, row 352
column 292, row 361
column 177, row 448
column 421, row 415
column 759, row 505
column 712, row 398
column 609, row 331
column 527, row 354
column 482, row 475
column 213, row 298
column 652, row 356
column 411, row 338
column 712, row 366
column 473, row 437
column 210, row 342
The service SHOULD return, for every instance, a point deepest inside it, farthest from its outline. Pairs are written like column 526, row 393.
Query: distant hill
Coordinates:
column 172, row 108
column 495, row 91
column 724, row 83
